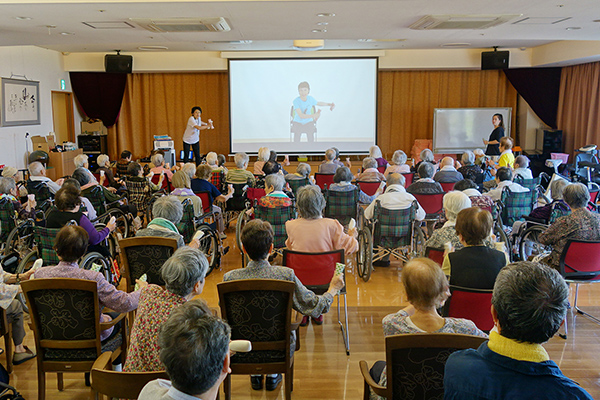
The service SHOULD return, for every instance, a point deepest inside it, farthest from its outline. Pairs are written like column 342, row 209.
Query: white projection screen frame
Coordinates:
column 262, row 94
column 458, row 129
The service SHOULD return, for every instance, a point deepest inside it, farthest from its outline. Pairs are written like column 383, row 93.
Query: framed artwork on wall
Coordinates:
column 20, row 102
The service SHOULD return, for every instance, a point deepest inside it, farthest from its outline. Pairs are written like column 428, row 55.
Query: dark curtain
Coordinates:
column 540, row 88
column 99, row 94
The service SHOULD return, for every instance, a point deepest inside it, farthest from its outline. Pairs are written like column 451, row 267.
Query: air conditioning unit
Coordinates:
column 174, row 25
column 461, row 21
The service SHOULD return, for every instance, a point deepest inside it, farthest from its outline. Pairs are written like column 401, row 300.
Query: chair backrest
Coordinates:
column 580, row 260
column 116, row 384
column 471, row 304
column 393, row 228
column 381, row 169
column 515, row 205
column 323, row 179
column 44, row 239
column 187, row 225
column 277, row 217
column 558, row 210
column 369, row 188
column 314, row 270
column 166, row 184
column 584, row 157
column 40, row 190
column 65, row 315
column 341, row 205
column 531, row 184
column 296, row 184
column 217, row 178
column 415, row 362
column 408, row 177
column 431, row 203
column 254, row 194
column 96, row 196
column 8, row 218
column 259, row 310
column 97, row 177
column 435, row 254
column 145, row 255
column 238, row 201
column 447, row 186
column 206, row 201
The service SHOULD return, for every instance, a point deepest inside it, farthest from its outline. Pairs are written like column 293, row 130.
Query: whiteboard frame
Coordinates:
column 505, row 111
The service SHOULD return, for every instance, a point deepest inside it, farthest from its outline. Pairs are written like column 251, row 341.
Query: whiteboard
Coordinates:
column 459, row 129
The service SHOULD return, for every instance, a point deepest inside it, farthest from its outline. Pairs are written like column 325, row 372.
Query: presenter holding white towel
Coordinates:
column 191, row 136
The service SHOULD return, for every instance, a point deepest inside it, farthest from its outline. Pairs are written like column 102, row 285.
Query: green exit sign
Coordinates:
column 63, row 86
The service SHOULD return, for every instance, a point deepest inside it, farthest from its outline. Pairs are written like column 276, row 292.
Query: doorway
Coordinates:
column 62, row 116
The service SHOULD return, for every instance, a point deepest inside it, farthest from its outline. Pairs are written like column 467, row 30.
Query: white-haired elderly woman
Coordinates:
column 9, row 192
column 313, row 233
column 375, row 152
column 82, row 161
column 426, row 155
column 105, row 169
column 370, row 172
column 263, row 156
column 183, row 191
column 158, row 160
column 167, row 212
column 240, row 174
column 189, row 169
column 342, row 182
column 212, row 159
column 302, row 172
column 454, row 202
column 580, row 224
column 329, row 166
column 469, row 170
column 399, row 164
column 184, row 275
column 275, row 197
column 17, row 176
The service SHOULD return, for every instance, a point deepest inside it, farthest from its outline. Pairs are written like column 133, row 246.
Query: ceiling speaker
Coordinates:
column 117, row 63
column 494, row 60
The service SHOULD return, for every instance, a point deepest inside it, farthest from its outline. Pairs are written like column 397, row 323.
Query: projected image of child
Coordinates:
column 306, row 114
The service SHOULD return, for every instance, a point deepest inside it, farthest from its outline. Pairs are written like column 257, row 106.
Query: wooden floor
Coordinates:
column 323, row 371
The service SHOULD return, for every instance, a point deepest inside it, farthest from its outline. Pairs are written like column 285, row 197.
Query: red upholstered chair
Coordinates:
column 381, row 169
column 323, row 179
column 255, row 194
column 580, row 263
column 315, row 271
column 435, row 254
column 206, row 204
column 97, row 177
column 408, row 177
column 471, row 304
column 431, row 203
column 166, row 184
column 448, row 186
column 368, row 187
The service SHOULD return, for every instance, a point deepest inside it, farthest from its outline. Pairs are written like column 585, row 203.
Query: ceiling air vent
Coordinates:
column 183, row 24
column 461, row 21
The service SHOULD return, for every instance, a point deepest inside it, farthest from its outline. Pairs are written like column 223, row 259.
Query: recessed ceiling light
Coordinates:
column 319, row 30
column 322, row 23
column 67, row 33
column 573, row 28
column 365, row 40
column 153, row 48
column 455, row 45
column 326, row 15
column 24, row 18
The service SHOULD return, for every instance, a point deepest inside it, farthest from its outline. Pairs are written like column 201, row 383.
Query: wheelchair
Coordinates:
column 43, row 196
column 236, row 204
column 107, row 210
column 15, row 235
column 396, row 233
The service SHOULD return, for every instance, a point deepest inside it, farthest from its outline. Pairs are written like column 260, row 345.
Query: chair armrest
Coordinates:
column 377, row 388
column 103, row 362
column 110, row 324
column 296, row 320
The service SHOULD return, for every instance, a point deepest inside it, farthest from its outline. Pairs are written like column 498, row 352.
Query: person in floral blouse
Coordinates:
column 184, row 275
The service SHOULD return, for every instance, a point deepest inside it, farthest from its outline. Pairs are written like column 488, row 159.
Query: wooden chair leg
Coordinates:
column 227, row 387
column 8, row 346
column 60, row 382
column 41, row 383
column 289, row 378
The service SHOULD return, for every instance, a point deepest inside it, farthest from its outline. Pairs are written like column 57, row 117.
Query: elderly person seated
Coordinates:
column 375, row 152
column 37, row 173
column 426, row 155
column 83, row 161
column 425, row 184
column 221, row 160
column 189, row 169
column 521, row 166
column 184, row 274
column 557, row 189
column 342, row 182
column 212, row 159
column 257, row 243
column 313, row 233
column 86, row 205
column 453, row 203
column 275, row 197
column 183, row 191
column 529, row 304
column 201, row 183
column 286, row 161
column 469, row 169
column 399, row 164
column 106, row 173
column 123, row 163
column 239, row 174
column 140, row 187
column 167, row 212
column 329, row 166
column 580, row 224
column 262, row 157
column 302, row 172
column 447, row 172
column 87, row 184
column 17, row 176
column 370, row 172
column 468, row 187
column 504, row 178
column 70, row 245
column 9, row 192
column 426, row 290
column 466, row 266
column 158, row 160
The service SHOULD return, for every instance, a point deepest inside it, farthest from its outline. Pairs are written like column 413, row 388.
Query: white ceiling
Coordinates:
column 272, row 25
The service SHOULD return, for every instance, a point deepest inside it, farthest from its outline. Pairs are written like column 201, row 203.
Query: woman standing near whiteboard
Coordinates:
column 493, row 144
column 191, row 136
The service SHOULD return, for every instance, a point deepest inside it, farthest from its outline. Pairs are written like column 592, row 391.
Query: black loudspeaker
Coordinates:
column 551, row 141
column 118, row 63
column 494, row 60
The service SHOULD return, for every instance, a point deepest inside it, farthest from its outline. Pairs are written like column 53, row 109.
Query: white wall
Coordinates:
column 529, row 123
column 37, row 64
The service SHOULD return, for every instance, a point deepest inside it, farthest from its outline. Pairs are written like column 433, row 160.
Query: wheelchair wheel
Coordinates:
column 210, row 246
column 364, row 256
column 529, row 244
column 242, row 219
column 418, row 242
column 95, row 260
column 20, row 239
column 501, row 237
column 24, row 266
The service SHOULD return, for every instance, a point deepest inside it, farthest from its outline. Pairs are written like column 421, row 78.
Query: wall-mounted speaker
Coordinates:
column 118, row 64
column 494, row 60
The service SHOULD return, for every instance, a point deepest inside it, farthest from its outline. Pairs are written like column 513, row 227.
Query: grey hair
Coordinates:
column 275, row 180
column 576, row 195
column 102, row 160
column 454, row 202
column 186, row 267
column 523, row 161
column 212, row 158
column 80, row 160
column 468, row 157
column 7, row 184
column 82, row 176
column 157, row 159
column 181, row 179
column 399, row 157
column 241, row 160
column 369, row 162
column 310, row 202
column 342, row 174
column 169, row 208
column 194, row 344
column 530, row 300
column 557, row 188
column 425, row 170
column 478, row 152
column 375, row 151
column 263, row 154
column 330, row 154
column 396, row 179
column 427, row 155
column 303, row 169
column 36, row 168
column 189, row 169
